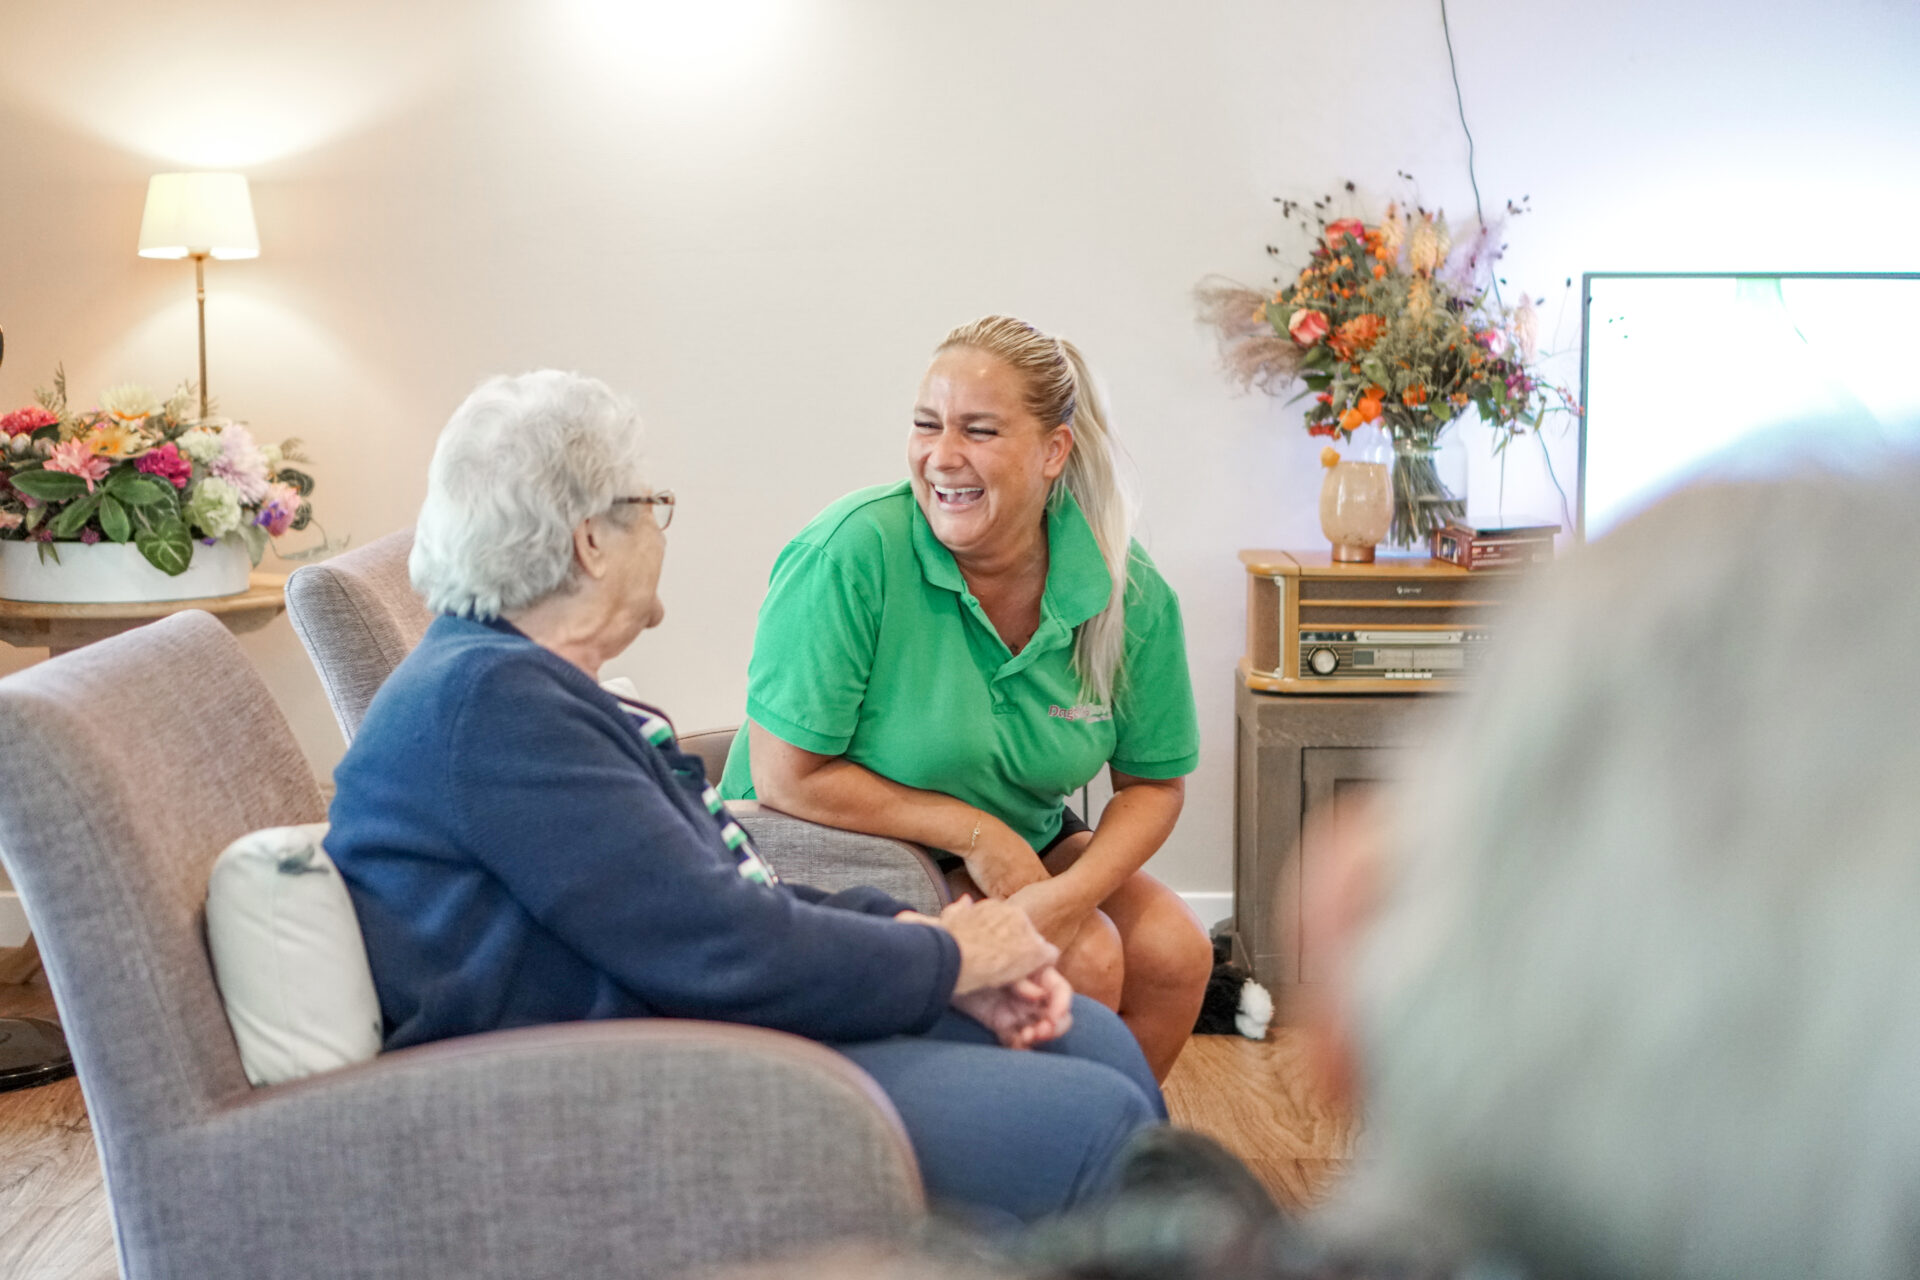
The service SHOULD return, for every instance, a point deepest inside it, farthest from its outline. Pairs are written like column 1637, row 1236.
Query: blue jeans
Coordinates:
column 1022, row 1133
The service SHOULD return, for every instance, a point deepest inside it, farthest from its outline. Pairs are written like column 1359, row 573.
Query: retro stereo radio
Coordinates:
column 1392, row 626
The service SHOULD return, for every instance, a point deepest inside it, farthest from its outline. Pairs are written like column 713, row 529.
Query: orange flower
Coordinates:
column 1369, row 408
column 1329, row 457
column 1414, row 395
column 1351, row 419
column 1357, row 334
column 114, row 439
column 1379, row 271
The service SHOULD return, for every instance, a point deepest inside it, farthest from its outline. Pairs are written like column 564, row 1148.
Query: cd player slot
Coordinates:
column 1483, row 588
column 1387, row 615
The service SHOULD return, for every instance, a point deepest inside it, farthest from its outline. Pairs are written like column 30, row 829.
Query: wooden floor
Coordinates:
column 1255, row 1098
column 53, row 1210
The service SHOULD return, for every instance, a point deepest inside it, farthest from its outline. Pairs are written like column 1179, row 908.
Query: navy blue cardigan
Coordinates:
column 518, row 854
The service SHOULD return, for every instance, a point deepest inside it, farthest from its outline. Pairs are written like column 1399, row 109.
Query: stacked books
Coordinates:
column 1504, row 546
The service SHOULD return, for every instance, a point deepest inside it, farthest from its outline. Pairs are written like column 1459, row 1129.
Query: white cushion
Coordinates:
column 289, row 957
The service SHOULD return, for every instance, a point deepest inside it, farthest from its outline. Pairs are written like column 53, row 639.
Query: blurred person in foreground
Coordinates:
column 524, row 847
column 1635, row 990
column 1629, row 972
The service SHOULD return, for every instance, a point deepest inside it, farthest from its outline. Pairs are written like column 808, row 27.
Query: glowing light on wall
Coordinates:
column 219, row 85
column 674, row 45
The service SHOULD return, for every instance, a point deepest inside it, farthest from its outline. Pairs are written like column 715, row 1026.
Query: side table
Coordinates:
column 1345, row 665
column 1299, row 759
column 60, row 628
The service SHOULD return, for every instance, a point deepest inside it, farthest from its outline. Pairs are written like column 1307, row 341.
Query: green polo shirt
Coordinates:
column 871, row 647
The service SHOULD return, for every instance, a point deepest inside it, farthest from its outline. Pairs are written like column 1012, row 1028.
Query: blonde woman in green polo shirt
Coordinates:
column 946, row 659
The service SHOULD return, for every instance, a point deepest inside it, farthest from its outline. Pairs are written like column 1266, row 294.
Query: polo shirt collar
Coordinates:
column 1078, row 583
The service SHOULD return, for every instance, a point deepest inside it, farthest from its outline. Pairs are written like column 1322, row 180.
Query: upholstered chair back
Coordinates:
column 125, row 768
column 358, row 616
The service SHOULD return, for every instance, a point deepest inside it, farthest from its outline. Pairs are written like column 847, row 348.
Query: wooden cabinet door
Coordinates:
column 1333, row 780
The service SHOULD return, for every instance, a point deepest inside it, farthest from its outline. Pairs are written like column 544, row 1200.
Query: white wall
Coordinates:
column 760, row 235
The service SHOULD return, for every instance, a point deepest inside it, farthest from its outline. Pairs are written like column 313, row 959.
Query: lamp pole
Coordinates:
column 200, row 298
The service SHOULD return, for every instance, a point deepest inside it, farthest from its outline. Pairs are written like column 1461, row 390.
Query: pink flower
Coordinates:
column 21, row 421
column 75, row 458
column 1337, row 232
column 166, row 463
column 282, row 504
column 241, row 463
column 1308, row 327
column 89, row 535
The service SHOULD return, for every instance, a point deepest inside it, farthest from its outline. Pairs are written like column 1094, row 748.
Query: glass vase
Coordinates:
column 1422, row 502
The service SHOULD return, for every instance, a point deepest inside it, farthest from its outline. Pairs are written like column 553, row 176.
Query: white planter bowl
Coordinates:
column 116, row 573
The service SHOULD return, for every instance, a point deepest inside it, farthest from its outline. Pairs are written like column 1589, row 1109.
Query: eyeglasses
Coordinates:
column 662, row 499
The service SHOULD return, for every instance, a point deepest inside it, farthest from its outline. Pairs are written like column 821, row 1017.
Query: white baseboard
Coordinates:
column 1210, row 907
column 13, row 920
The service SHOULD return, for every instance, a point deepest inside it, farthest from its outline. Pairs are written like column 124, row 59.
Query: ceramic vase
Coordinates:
column 116, row 573
column 1356, row 498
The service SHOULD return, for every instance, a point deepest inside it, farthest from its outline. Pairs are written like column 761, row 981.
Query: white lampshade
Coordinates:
column 207, row 213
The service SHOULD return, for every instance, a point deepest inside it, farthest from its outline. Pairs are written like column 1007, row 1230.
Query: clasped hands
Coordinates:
column 1007, row 981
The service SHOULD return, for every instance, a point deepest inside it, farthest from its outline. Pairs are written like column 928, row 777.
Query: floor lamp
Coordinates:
column 199, row 216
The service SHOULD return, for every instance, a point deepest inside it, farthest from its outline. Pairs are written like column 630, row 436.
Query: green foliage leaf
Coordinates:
column 137, row 490
column 168, row 546
column 1315, row 357
column 255, row 539
column 74, row 516
column 49, row 486
column 113, row 519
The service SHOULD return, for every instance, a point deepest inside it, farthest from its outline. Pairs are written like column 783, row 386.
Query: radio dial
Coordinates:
column 1323, row 661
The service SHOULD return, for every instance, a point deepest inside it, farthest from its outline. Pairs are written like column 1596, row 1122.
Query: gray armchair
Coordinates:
column 358, row 616
column 604, row 1149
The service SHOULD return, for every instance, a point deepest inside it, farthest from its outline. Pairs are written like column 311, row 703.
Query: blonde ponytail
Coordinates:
column 1060, row 389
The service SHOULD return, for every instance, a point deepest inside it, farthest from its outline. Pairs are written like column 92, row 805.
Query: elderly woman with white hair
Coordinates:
column 524, row 847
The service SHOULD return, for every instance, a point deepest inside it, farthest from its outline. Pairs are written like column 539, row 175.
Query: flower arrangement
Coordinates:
column 1392, row 323
column 138, row 469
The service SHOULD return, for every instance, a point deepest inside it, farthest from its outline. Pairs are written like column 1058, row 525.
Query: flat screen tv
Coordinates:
column 1686, row 373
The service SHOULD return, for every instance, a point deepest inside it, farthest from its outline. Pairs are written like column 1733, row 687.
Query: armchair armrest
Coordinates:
column 631, row 1148
column 832, row 859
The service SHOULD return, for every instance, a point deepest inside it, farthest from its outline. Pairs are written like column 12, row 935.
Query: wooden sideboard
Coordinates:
column 1298, row 758
column 1308, row 743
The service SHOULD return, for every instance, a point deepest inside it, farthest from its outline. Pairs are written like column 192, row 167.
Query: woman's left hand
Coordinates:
column 1030, row 1011
column 1055, row 910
